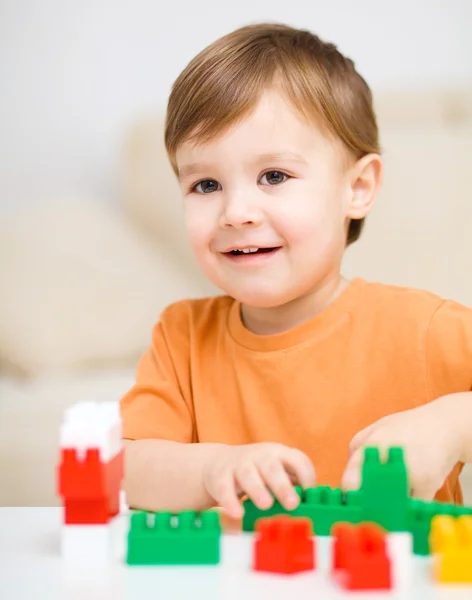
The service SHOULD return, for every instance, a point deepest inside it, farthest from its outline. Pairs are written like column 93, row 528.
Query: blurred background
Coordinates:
column 91, row 243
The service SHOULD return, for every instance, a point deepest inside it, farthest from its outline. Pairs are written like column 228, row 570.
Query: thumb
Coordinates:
column 361, row 437
column 426, row 494
column 351, row 479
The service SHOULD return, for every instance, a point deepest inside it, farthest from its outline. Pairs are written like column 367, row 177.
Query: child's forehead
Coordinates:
column 271, row 115
column 272, row 129
column 253, row 150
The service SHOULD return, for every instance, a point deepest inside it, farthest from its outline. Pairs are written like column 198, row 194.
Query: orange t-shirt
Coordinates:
column 375, row 350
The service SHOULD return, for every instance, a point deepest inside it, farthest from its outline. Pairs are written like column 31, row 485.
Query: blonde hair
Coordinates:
column 224, row 82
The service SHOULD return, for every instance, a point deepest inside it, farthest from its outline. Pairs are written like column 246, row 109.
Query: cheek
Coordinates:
column 198, row 226
column 315, row 219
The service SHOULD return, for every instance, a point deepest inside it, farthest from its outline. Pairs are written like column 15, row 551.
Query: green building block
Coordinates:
column 323, row 505
column 188, row 538
column 385, row 491
column 383, row 498
column 252, row 513
column 326, row 506
column 420, row 516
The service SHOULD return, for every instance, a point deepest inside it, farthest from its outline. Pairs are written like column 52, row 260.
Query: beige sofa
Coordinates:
column 83, row 281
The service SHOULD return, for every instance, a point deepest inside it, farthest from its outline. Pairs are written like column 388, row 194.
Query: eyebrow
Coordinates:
column 190, row 169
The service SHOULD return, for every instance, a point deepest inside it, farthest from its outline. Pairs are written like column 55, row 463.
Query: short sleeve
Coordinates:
column 157, row 406
column 449, row 350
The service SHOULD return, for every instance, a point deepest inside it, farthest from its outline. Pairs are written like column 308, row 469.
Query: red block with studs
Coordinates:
column 360, row 560
column 284, row 544
column 89, row 487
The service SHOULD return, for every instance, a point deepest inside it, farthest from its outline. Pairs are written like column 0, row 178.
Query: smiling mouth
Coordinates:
column 250, row 251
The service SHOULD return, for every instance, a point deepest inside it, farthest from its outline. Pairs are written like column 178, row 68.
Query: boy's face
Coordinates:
column 273, row 183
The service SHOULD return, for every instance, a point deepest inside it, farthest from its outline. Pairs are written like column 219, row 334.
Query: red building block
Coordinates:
column 344, row 545
column 90, row 489
column 360, row 560
column 284, row 544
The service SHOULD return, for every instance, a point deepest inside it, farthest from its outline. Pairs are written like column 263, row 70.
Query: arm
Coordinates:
column 162, row 465
column 165, row 467
column 163, row 475
column 464, row 423
column 449, row 369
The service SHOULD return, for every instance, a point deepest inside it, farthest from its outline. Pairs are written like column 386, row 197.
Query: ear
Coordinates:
column 365, row 181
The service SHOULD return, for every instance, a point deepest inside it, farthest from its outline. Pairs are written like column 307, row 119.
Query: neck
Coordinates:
column 277, row 319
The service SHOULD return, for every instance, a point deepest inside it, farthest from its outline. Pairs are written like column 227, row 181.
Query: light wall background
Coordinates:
column 91, row 241
column 75, row 75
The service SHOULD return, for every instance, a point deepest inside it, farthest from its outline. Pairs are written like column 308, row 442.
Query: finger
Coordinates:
column 226, row 496
column 351, row 479
column 276, row 479
column 423, row 487
column 299, row 467
column 249, row 479
column 426, row 494
column 360, row 438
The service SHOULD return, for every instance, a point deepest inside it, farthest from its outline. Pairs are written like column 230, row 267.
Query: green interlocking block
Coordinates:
column 385, row 491
column 187, row 538
column 252, row 513
column 419, row 521
column 326, row 506
column 323, row 505
column 383, row 498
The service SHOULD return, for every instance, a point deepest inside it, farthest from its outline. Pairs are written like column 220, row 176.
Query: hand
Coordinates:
column 254, row 469
column 431, row 439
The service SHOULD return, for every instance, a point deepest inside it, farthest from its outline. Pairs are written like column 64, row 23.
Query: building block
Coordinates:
column 360, row 559
column 87, row 544
column 420, row 516
column 93, row 425
column 91, row 467
column 252, row 513
column 90, row 488
column 327, row 506
column 323, row 505
column 385, row 490
column 188, row 538
column 344, row 544
column 383, row 498
column 451, row 542
column 284, row 544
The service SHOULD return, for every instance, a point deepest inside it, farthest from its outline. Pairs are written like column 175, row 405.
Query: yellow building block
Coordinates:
column 451, row 544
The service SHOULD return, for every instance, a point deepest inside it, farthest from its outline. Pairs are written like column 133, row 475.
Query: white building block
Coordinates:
column 400, row 550
column 93, row 425
column 88, row 544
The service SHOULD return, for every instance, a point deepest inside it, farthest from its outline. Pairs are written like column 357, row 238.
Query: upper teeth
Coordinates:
column 247, row 250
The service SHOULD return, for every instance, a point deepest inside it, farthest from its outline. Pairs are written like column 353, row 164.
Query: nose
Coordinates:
column 240, row 211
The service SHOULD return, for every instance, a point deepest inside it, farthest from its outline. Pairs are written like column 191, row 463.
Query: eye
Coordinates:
column 207, row 186
column 274, row 177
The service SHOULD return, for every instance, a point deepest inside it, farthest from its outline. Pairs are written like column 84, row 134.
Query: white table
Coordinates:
column 31, row 568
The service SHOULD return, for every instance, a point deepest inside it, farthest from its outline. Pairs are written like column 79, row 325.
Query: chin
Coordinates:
column 260, row 298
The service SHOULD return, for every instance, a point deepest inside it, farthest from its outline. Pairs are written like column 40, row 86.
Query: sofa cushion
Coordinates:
column 81, row 288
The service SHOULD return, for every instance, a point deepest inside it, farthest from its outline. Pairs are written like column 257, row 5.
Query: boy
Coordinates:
column 273, row 137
